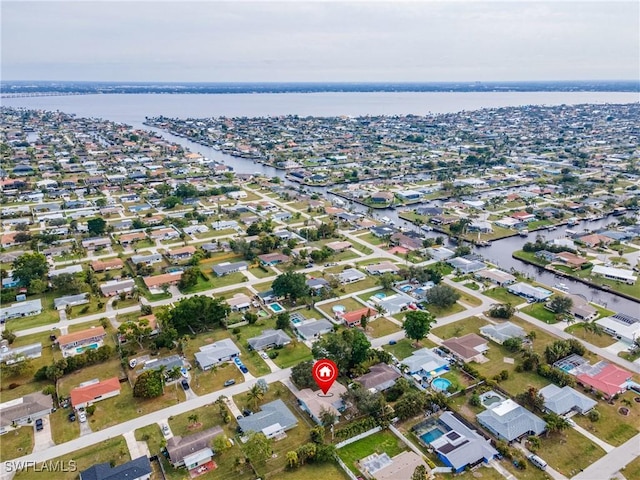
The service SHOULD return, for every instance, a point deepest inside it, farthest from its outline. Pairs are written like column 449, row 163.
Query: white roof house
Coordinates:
column 502, row 331
column 621, row 274
column 216, row 353
column 624, row 327
column 564, row 400
column 21, row 309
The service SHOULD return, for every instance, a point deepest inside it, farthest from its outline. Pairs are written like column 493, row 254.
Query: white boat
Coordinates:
column 561, row 287
column 551, row 228
column 523, row 233
column 386, row 219
column 133, row 362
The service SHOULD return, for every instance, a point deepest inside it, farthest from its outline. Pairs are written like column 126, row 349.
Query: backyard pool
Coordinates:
column 276, row 307
column 93, row 346
column 431, row 435
column 380, row 295
column 338, row 308
column 440, row 384
column 491, row 398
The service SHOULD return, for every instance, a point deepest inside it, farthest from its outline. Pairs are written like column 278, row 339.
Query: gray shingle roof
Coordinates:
column 272, row 413
column 103, row 471
column 502, row 331
column 311, row 328
column 563, row 400
column 508, row 420
column 269, row 338
column 216, row 352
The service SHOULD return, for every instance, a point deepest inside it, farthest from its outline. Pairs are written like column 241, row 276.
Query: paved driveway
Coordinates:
column 42, row 439
column 85, row 428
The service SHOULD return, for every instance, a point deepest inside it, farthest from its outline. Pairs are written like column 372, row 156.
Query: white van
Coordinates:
column 538, row 462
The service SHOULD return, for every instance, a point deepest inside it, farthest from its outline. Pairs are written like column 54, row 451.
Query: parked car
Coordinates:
column 246, row 412
column 244, row 369
column 228, row 383
column 392, row 342
column 185, row 384
column 165, row 430
column 72, row 417
column 238, row 417
column 264, row 355
column 82, row 417
column 39, row 424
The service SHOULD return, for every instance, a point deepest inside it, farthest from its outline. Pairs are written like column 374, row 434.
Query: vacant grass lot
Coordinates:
column 114, row 449
column 577, row 330
column 538, row 310
column 460, row 328
column 612, row 427
column 364, row 284
column 213, row 380
column 569, row 452
column 372, row 239
column 632, row 470
column 380, row 442
column 381, row 327
column 468, row 299
column 440, row 312
column 292, row 354
column 17, row 443
column 324, row 471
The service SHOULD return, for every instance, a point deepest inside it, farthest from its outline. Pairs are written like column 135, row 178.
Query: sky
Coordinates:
column 320, row 41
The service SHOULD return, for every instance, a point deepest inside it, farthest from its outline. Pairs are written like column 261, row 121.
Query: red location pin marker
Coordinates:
column 325, row 372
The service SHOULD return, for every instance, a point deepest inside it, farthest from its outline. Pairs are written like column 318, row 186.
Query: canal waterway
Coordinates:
column 132, row 109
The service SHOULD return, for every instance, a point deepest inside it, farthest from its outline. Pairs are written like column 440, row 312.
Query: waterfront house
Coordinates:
column 535, row 294
column 78, row 342
column 496, row 276
column 617, row 274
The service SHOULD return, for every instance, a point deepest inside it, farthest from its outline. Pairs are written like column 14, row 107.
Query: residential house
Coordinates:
column 381, row 197
column 148, row 260
column 167, row 363
column 470, row 347
column 224, row 225
column 467, row 264
column 96, row 243
column 565, row 400
column 382, row 267
column 138, row 469
column 496, row 276
column 535, row 294
column 312, row 329
column 618, row 274
column 182, row 253
column 239, row 302
column 571, row 260
column 315, row 402
column 273, row 419
column 216, row 353
column 127, row 239
column 595, row 240
column 502, row 331
column 604, row 377
column 337, row 247
column 523, row 217
column 425, row 364
column 395, row 303
column 317, row 284
column 21, row 309
column 93, row 391
column 157, row 282
column 226, row 268
column 182, row 450
column 350, row 275
column 117, row 287
column 268, row 339
column 406, row 241
column 78, row 342
column 24, row 410
column 271, row 259
column 353, row 318
column 146, row 321
column 106, row 265
column 11, row 355
column 70, row 270
column 621, row 326
column 509, row 421
column 61, row 303
column 461, row 447
column 381, row 467
column 380, row 377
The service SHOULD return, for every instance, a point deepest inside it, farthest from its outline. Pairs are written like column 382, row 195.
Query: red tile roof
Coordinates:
column 90, row 393
column 610, row 380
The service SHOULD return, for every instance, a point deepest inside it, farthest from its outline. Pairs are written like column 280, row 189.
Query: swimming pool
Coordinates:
column 93, row 346
column 296, row 321
column 380, row 295
column 406, row 288
column 431, row 435
column 440, row 384
column 338, row 308
column 276, row 307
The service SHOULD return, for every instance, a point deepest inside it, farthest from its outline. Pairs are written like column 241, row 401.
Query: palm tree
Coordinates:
column 292, row 459
column 254, row 395
column 193, row 418
column 556, row 423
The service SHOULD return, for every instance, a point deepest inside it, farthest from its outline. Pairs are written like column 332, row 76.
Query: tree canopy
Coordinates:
column 417, row 324
column 29, row 267
column 149, row 384
column 290, row 285
column 197, row 314
column 561, row 304
column 347, row 348
column 442, row 296
column 96, row 226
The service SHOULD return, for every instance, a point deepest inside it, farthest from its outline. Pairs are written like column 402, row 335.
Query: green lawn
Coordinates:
column 207, row 417
column 569, row 452
column 16, row 443
column 349, row 303
column 364, row 284
column 460, row 328
column 371, row 239
column 503, row 296
column 324, row 471
column 632, row 470
column 380, row 442
column 603, row 341
column 469, row 299
column 213, row 380
column 101, row 371
column 381, row 327
column 114, row 449
column 292, row 354
column 439, row 312
column 62, row 430
column 538, row 310
column 402, row 349
column 260, row 273
column 612, row 427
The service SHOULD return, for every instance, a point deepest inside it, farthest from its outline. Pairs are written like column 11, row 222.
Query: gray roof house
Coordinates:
column 380, row 377
column 312, row 328
column 30, row 407
column 148, row 259
column 138, row 469
column 21, row 309
column 273, row 419
column 167, row 362
column 350, row 275
column 269, row 338
column 227, row 268
column 529, row 291
column 426, row 363
column 180, row 448
column 502, row 331
column 116, row 287
column 71, row 300
column 509, row 421
column 564, row 400
column 216, row 353
column 460, row 446
column 17, row 354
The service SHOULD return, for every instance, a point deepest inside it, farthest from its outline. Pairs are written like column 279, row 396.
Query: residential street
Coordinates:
column 615, row 460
